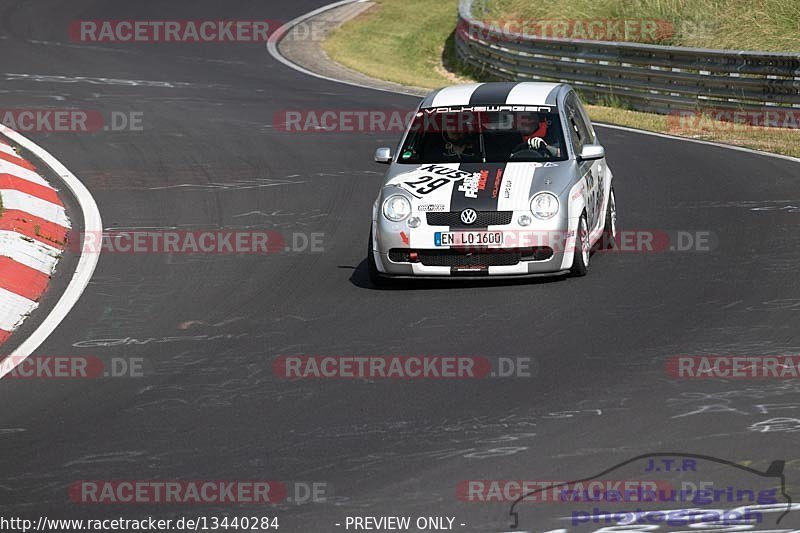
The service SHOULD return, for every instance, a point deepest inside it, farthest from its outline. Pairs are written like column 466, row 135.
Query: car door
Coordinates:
column 598, row 166
column 581, row 134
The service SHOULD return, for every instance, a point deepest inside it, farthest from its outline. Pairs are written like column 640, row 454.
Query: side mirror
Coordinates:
column 383, row 155
column 590, row 152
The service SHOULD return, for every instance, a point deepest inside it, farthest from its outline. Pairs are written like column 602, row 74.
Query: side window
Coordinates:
column 579, row 131
column 586, row 122
column 577, row 134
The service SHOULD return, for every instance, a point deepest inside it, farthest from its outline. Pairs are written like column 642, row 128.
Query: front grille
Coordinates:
column 453, row 219
column 456, row 258
column 459, row 258
column 537, row 253
column 399, row 256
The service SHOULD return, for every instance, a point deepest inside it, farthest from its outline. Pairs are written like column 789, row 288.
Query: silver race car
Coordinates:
column 493, row 179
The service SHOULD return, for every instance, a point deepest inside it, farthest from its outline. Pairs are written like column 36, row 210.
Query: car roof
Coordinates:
column 495, row 93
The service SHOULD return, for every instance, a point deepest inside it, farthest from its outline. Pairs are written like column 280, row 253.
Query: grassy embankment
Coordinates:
column 411, row 42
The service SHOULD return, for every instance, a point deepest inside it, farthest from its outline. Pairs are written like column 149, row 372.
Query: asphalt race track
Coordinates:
column 208, row 327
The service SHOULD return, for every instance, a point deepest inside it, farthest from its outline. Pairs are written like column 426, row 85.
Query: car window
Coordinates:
column 484, row 136
column 585, row 119
column 571, row 125
column 579, row 131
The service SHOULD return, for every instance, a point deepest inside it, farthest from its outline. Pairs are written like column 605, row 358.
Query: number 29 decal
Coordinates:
column 426, row 184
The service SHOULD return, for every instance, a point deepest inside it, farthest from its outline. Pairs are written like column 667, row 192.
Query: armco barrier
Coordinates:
column 654, row 78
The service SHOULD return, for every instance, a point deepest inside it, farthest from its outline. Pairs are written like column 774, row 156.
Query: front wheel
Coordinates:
column 610, row 230
column 580, row 255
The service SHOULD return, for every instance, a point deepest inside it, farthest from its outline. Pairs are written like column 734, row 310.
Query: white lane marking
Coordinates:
column 49, row 78
column 92, row 225
column 272, row 48
column 13, row 308
column 13, row 199
column 34, row 254
column 6, row 167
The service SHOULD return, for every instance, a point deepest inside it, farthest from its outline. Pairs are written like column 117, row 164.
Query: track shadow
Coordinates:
column 360, row 278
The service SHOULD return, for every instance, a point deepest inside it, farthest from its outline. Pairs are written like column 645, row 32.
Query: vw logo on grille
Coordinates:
column 468, row 216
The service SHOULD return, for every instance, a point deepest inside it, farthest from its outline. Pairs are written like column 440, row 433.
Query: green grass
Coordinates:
column 411, row 42
column 783, row 141
column 398, row 40
column 772, row 25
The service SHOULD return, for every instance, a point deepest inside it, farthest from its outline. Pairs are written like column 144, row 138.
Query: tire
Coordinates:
column 609, row 240
column 580, row 255
column 375, row 279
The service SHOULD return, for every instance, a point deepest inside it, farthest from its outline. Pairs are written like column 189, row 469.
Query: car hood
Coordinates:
column 481, row 186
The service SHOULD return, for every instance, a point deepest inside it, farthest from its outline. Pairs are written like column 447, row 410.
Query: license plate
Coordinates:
column 468, row 238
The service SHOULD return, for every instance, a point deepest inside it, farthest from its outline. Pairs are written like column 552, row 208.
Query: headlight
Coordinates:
column 544, row 205
column 396, row 208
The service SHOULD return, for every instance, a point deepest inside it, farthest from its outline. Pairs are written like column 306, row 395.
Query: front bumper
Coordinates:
column 475, row 277
column 544, row 247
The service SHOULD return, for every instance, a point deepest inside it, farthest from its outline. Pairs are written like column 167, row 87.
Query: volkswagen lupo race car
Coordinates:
column 493, row 179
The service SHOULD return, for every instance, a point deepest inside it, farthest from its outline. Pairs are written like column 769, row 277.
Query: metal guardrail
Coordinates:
column 653, row 78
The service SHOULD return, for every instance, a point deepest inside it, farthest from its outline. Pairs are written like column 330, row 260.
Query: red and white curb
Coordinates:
column 33, row 234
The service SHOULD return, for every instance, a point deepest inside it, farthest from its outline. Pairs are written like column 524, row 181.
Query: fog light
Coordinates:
column 413, row 222
column 524, row 220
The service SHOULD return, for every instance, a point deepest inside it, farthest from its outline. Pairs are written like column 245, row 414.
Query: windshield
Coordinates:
column 484, row 136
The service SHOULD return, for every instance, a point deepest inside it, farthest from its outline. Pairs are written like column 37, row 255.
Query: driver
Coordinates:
column 457, row 142
column 533, row 128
